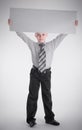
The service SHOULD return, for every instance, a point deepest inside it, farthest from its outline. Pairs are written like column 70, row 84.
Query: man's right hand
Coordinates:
column 9, row 22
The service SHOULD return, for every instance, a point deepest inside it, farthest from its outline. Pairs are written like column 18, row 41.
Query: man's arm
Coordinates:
column 58, row 40
column 26, row 39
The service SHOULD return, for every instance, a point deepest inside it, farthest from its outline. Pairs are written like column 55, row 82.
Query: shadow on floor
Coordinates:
column 22, row 125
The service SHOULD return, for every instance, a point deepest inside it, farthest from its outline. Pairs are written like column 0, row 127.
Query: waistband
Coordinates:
column 46, row 70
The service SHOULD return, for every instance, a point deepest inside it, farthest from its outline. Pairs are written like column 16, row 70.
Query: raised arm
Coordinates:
column 58, row 40
column 26, row 39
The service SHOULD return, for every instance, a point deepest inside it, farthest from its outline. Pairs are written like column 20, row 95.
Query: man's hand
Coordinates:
column 9, row 22
column 76, row 22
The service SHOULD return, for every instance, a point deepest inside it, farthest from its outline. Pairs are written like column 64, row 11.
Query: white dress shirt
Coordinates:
column 49, row 48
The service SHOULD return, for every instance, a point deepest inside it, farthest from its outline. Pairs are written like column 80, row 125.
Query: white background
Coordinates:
column 15, row 65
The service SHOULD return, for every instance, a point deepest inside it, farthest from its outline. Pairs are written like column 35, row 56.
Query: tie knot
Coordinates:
column 41, row 44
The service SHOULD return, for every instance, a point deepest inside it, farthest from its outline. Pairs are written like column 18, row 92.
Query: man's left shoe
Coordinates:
column 54, row 122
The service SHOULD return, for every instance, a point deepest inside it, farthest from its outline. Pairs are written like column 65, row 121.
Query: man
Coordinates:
column 42, row 54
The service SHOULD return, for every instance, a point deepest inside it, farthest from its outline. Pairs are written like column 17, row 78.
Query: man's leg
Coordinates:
column 31, row 106
column 47, row 99
column 46, row 95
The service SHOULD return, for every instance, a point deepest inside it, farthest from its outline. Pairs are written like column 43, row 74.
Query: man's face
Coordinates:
column 41, row 37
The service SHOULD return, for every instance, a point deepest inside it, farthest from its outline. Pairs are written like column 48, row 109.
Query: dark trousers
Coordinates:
column 37, row 78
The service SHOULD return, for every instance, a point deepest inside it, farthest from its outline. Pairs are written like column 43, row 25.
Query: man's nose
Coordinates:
column 40, row 36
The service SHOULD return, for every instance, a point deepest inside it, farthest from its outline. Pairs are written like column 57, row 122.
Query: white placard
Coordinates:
column 42, row 20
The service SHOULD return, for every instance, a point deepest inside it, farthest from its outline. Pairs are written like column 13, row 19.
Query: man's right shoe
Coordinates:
column 32, row 123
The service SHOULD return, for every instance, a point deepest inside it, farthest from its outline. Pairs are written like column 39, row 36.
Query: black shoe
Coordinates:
column 54, row 122
column 32, row 123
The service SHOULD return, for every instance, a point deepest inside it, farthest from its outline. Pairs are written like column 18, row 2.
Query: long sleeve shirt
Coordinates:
column 49, row 48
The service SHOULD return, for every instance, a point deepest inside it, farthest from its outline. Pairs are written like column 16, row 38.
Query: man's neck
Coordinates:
column 41, row 42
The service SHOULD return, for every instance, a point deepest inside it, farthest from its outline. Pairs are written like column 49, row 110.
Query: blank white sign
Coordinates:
column 42, row 20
